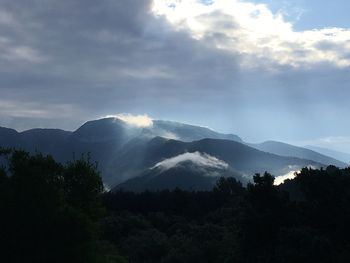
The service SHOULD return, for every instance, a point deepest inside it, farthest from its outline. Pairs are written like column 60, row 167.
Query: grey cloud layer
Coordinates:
column 87, row 53
column 66, row 61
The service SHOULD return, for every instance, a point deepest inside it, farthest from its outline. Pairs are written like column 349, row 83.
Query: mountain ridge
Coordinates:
column 125, row 151
column 285, row 149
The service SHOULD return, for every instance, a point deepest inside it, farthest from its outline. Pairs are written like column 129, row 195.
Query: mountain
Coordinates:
column 43, row 140
column 186, row 132
column 186, row 175
column 285, row 149
column 107, row 129
column 116, row 145
column 242, row 158
column 344, row 157
column 125, row 151
column 9, row 137
column 164, row 161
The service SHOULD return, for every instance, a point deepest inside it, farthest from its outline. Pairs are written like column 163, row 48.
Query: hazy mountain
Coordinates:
column 185, row 175
column 202, row 162
column 285, row 149
column 344, row 157
column 186, row 132
column 240, row 157
column 115, row 144
column 107, row 129
column 124, row 151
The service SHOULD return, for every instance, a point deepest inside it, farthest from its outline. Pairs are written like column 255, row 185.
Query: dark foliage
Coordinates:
column 59, row 213
column 304, row 220
column 50, row 212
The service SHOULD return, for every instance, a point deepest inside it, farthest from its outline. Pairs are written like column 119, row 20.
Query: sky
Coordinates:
column 264, row 70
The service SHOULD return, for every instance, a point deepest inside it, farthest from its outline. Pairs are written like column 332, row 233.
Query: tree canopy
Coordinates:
column 52, row 212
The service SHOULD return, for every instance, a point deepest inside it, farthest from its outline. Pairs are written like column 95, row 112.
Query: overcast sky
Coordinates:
column 262, row 69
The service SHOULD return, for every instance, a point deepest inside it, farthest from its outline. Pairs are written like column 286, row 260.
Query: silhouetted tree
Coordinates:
column 49, row 211
column 52, row 212
column 228, row 186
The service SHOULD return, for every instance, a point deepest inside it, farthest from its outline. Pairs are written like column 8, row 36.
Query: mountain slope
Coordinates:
column 284, row 149
column 125, row 151
column 240, row 157
column 186, row 132
column 9, row 137
column 185, row 175
column 344, row 157
column 113, row 143
column 225, row 157
column 189, row 170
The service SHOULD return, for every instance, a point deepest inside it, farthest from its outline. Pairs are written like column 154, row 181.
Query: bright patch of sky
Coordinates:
column 310, row 14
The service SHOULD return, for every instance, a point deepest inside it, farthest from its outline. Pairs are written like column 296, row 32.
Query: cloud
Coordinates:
column 169, row 135
column 125, row 56
column 255, row 32
column 280, row 179
column 6, row 18
column 22, row 54
column 32, row 110
column 14, row 51
column 293, row 171
column 197, row 158
column 23, row 115
column 134, row 120
column 121, row 58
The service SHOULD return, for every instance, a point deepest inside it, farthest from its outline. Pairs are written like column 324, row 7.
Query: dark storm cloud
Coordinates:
column 101, row 56
column 66, row 61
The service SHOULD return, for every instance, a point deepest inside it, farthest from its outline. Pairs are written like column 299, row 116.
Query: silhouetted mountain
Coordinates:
column 344, row 157
column 285, row 149
column 186, row 175
column 43, row 140
column 9, row 137
column 107, row 129
column 242, row 162
column 186, row 132
column 124, row 151
column 240, row 157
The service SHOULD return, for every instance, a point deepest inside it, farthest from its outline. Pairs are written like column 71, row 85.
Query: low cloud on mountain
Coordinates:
column 200, row 159
column 141, row 121
column 280, row 179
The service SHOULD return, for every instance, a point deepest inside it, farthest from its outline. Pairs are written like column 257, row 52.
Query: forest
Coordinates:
column 53, row 212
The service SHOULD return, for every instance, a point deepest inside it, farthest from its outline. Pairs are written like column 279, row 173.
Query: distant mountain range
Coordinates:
column 164, row 154
column 236, row 159
column 284, row 149
column 341, row 156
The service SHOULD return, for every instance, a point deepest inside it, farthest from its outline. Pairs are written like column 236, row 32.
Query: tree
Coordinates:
column 228, row 185
column 83, row 187
column 50, row 212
